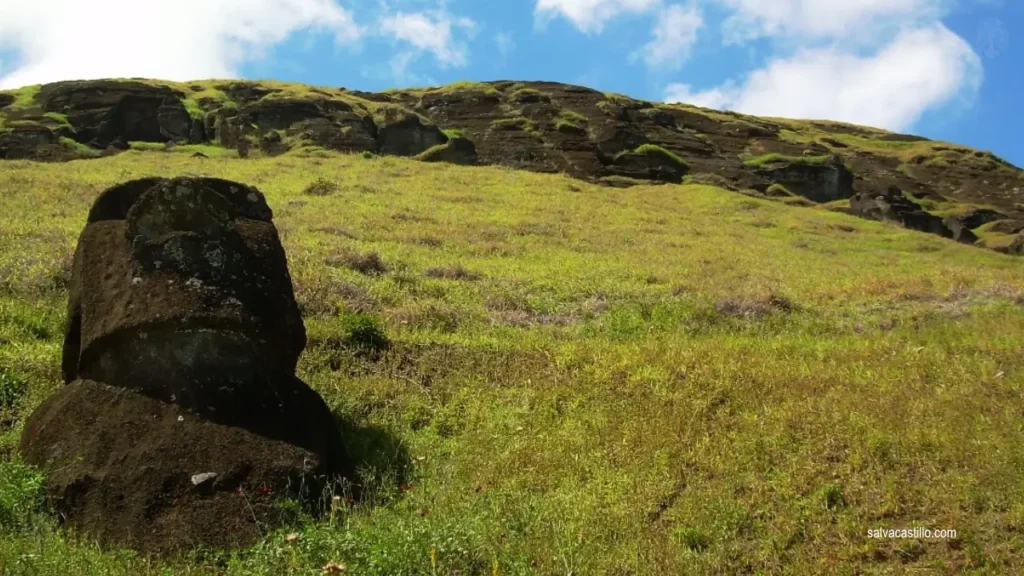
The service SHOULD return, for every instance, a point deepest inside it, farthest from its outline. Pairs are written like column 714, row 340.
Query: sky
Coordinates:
column 944, row 69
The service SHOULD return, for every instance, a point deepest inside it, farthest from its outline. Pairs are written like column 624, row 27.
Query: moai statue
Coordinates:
column 182, row 422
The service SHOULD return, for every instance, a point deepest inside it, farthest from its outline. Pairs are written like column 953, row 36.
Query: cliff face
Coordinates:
column 955, row 191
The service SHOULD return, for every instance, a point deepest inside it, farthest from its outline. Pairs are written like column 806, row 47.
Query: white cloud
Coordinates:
column 506, row 44
column 179, row 40
column 675, row 32
column 850, row 19
column 920, row 69
column 589, row 16
column 430, row 32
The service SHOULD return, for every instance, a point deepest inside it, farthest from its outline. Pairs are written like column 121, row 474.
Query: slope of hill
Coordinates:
column 541, row 375
column 969, row 195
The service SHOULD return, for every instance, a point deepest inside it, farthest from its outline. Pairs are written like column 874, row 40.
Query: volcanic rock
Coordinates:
column 179, row 356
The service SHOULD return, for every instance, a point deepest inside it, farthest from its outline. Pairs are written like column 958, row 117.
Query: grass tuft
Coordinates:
column 775, row 158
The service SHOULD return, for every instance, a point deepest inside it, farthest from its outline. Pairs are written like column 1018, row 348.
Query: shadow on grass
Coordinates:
column 381, row 462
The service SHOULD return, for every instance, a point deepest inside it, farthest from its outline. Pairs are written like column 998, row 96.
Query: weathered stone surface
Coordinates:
column 979, row 217
column 102, row 111
column 816, row 182
column 894, row 206
column 180, row 350
column 30, row 141
column 960, row 231
column 407, row 135
column 649, row 167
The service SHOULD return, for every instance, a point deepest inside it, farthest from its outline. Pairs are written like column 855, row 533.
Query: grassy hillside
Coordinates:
column 584, row 380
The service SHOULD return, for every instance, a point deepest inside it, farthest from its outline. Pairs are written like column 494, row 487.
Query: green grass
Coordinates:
column 153, row 146
column 78, row 147
column 195, row 111
column 773, row 158
column 465, row 85
column 210, row 150
column 778, row 190
column 570, row 121
column 454, row 133
column 655, row 150
column 59, row 118
column 524, row 93
column 24, row 97
column 653, row 380
column 517, row 123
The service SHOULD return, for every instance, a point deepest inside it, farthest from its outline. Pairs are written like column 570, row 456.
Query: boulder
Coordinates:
column 455, row 151
column 1007, row 227
column 29, row 141
column 407, row 135
column 101, row 111
column 960, row 231
column 894, row 206
column 816, row 182
column 979, row 217
column 649, row 166
column 179, row 357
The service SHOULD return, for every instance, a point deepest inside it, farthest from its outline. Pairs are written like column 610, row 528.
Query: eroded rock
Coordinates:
column 894, row 206
column 179, row 358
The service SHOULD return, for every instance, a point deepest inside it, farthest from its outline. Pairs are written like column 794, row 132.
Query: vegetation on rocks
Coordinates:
column 774, row 158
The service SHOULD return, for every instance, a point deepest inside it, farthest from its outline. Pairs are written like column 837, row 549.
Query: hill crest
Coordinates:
column 969, row 195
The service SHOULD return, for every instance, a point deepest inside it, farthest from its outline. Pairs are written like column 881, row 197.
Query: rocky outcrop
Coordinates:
column 182, row 421
column 979, row 217
column 31, row 141
column 407, row 135
column 100, row 112
column 537, row 126
column 456, row 151
column 895, row 207
column 819, row 182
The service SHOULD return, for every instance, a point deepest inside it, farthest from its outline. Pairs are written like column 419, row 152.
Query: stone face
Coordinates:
column 180, row 306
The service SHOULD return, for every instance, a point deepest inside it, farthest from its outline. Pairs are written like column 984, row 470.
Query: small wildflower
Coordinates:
column 265, row 490
column 291, row 538
column 333, row 568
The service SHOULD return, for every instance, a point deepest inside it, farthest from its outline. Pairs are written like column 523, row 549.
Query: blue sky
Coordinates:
column 946, row 69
